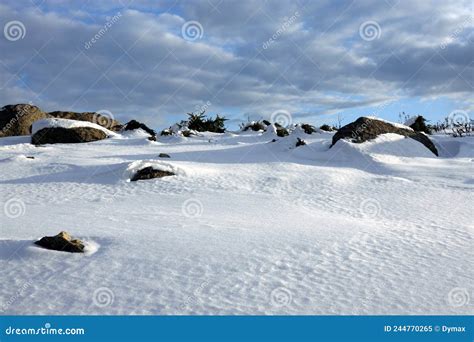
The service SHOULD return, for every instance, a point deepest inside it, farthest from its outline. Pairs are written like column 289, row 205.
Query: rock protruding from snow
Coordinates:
column 134, row 124
column 103, row 118
column 150, row 173
column 18, row 119
column 365, row 128
column 63, row 131
column 62, row 242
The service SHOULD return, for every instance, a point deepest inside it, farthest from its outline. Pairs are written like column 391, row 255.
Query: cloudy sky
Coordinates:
column 317, row 60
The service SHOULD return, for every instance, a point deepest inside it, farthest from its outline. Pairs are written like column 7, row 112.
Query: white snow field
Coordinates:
column 247, row 226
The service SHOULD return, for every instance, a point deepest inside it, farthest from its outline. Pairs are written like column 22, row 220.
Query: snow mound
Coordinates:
column 392, row 144
column 396, row 124
column 66, row 123
column 134, row 167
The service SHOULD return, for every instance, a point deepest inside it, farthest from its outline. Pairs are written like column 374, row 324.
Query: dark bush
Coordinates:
column 420, row 125
column 255, row 126
column 300, row 142
column 200, row 123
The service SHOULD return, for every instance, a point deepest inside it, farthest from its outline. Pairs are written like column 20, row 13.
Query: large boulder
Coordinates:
column 150, row 173
column 61, row 135
column 103, row 119
column 62, row 242
column 364, row 129
column 17, row 119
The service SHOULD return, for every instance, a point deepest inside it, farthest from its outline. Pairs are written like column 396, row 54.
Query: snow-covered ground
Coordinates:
column 245, row 227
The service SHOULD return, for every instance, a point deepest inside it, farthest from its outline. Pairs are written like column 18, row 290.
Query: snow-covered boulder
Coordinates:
column 102, row 118
column 17, row 119
column 150, row 173
column 134, row 125
column 64, row 131
column 368, row 128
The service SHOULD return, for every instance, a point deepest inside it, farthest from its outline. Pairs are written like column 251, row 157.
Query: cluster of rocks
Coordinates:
column 18, row 120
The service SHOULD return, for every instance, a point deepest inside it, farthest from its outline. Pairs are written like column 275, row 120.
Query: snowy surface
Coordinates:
column 245, row 227
column 66, row 123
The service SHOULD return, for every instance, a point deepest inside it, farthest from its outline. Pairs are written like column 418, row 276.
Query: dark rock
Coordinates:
column 60, row 135
column 308, row 129
column 164, row 155
column 97, row 118
column 281, row 131
column 134, row 124
column 62, row 242
column 17, row 119
column 300, row 142
column 266, row 122
column 326, row 128
column 149, row 173
column 364, row 129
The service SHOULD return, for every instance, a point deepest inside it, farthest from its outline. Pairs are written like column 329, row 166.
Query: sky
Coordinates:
column 310, row 61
